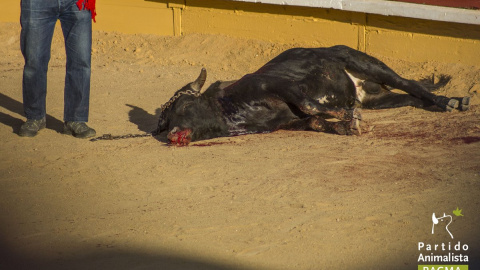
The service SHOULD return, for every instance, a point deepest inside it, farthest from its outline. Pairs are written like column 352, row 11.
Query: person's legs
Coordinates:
column 37, row 19
column 77, row 32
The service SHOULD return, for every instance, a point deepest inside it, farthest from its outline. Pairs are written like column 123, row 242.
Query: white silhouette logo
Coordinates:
column 435, row 221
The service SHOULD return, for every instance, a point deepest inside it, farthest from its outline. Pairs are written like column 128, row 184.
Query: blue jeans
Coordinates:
column 38, row 18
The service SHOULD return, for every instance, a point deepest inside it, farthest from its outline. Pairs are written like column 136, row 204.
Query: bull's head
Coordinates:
column 186, row 116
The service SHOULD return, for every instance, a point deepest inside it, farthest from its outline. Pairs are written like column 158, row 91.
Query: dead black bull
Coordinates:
column 300, row 89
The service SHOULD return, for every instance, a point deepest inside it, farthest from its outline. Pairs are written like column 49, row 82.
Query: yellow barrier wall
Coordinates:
column 10, row 11
column 320, row 27
column 409, row 39
column 421, row 40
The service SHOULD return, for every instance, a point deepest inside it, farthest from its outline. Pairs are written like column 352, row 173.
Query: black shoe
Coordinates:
column 31, row 127
column 78, row 130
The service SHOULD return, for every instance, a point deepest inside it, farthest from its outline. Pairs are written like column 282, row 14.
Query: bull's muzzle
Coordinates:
column 179, row 137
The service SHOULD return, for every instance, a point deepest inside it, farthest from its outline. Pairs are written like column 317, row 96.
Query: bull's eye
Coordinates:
column 183, row 109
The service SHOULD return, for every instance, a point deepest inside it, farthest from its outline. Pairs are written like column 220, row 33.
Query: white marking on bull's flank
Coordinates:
column 322, row 100
column 358, row 86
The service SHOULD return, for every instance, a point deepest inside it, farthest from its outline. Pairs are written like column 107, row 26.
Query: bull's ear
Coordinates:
column 200, row 81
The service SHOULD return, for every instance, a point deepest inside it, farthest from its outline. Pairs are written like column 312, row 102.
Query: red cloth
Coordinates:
column 88, row 5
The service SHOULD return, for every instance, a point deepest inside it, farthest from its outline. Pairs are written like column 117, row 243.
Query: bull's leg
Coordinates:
column 371, row 69
column 314, row 108
column 377, row 96
column 351, row 127
column 319, row 123
column 393, row 100
column 296, row 124
column 417, row 90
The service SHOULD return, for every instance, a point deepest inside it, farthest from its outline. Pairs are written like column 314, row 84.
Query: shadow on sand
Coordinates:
column 17, row 107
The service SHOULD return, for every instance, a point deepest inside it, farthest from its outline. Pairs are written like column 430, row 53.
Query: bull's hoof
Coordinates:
column 355, row 127
column 351, row 127
column 447, row 104
column 341, row 128
column 452, row 104
column 357, row 113
column 464, row 104
column 316, row 123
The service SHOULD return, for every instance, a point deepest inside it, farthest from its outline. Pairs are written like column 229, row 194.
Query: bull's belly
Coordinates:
column 333, row 100
column 259, row 118
column 338, row 97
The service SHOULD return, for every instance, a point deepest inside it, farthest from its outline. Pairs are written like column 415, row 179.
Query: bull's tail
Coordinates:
column 434, row 83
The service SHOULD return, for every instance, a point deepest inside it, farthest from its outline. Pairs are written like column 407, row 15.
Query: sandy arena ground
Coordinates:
column 285, row 200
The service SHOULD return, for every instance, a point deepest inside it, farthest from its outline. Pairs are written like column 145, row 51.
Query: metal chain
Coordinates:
column 165, row 106
column 107, row 137
column 175, row 97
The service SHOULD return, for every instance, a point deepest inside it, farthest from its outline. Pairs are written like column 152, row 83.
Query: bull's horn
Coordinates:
column 200, row 81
